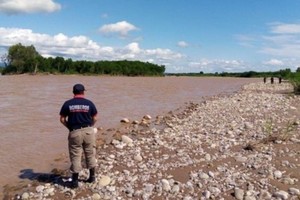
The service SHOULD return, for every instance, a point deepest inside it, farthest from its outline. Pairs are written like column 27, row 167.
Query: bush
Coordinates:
column 295, row 81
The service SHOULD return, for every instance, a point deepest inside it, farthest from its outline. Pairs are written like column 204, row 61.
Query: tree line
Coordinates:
column 283, row 73
column 22, row 59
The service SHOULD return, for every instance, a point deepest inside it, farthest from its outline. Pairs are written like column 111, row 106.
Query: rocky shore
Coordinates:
column 242, row 146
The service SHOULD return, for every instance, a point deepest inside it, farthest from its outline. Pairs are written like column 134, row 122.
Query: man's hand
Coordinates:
column 63, row 120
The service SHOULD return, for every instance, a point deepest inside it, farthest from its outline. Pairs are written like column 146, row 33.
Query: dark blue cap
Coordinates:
column 78, row 88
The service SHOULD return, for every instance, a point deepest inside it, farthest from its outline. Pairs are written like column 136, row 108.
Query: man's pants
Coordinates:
column 82, row 139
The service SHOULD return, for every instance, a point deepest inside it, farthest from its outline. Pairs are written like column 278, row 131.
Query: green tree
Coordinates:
column 23, row 58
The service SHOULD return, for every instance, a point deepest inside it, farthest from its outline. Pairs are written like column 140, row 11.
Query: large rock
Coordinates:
column 104, row 181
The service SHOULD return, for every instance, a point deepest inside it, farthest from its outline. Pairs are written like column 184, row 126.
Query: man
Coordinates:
column 79, row 115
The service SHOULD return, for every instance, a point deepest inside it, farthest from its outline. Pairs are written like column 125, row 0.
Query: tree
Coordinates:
column 22, row 59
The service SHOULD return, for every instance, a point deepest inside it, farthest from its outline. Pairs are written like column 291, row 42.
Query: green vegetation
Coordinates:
column 295, row 81
column 25, row 59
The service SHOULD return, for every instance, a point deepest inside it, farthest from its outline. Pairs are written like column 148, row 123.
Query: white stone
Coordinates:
column 294, row 191
column 281, row 194
column 40, row 188
column 239, row 193
column 207, row 157
column 203, row 175
column 175, row 189
column 126, row 139
column 138, row 158
column 165, row 185
column 49, row 191
column 104, row 181
column 96, row 196
column 277, row 174
column 25, row 195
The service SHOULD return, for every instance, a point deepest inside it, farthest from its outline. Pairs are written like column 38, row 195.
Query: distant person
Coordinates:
column 79, row 115
column 265, row 79
column 280, row 79
column 272, row 80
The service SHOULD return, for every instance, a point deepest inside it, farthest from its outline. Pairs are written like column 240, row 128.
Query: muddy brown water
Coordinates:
column 32, row 136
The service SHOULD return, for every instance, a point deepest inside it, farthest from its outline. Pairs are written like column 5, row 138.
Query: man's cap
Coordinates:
column 78, row 88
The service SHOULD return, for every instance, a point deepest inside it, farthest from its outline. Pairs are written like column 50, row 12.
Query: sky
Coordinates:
column 183, row 35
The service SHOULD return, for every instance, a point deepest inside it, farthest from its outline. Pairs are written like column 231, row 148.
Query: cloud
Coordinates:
column 280, row 45
column 218, row 65
column 120, row 28
column 182, row 44
column 273, row 62
column 81, row 47
column 281, row 28
column 28, row 6
column 283, row 40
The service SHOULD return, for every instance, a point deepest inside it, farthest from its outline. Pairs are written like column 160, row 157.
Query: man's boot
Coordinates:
column 74, row 183
column 92, row 177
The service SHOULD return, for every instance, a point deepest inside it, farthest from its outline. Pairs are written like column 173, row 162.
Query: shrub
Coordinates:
column 295, row 81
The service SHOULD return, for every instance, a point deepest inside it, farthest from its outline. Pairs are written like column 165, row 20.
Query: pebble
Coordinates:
column 104, row 181
column 239, row 193
column 96, row 196
column 277, row 174
column 25, row 195
column 281, row 195
column 126, row 139
column 165, row 185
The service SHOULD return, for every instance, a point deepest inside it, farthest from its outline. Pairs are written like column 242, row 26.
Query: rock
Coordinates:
column 203, row 175
column 277, row 174
column 40, row 188
column 288, row 181
column 138, row 158
column 175, row 189
column 147, row 117
column 104, row 181
column 207, row 157
column 294, row 191
column 125, row 120
column 165, row 185
column 96, row 196
column 239, row 193
column 135, row 122
column 25, row 195
column 281, row 194
column 49, row 191
column 126, row 139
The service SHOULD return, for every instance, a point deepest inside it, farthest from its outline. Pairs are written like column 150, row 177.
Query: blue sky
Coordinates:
column 183, row 35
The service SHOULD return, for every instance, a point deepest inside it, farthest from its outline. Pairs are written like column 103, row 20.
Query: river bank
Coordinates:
column 242, row 146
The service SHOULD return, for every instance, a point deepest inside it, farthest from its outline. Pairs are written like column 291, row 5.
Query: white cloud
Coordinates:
column 283, row 41
column 273, row 62
column 81, row 47
column 217, row 65
column 28, row 6
column 121, row 28
column 182, row 44
column 281, row 28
